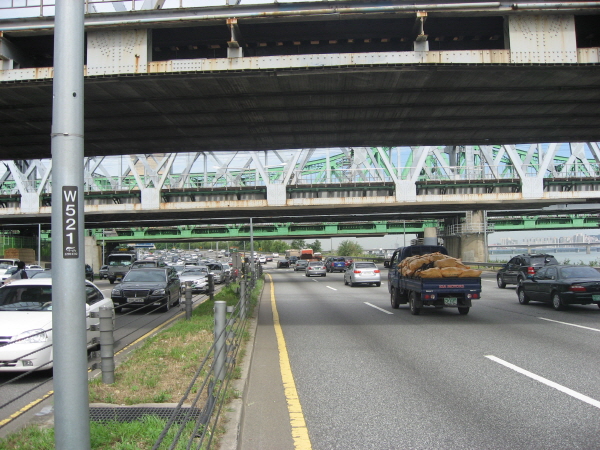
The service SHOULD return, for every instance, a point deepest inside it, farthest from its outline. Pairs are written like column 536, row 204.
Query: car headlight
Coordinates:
column 116, row 292
column 159, row 292
column 36, row 336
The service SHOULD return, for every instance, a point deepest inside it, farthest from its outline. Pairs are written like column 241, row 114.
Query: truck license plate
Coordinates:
column 596, row 298
column 450, row 301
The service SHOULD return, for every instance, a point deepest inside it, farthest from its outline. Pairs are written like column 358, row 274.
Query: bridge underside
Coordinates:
column 346, row 210
column 389, row 105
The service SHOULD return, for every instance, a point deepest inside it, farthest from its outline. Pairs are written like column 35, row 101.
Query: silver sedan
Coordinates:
column 316, row 268
column 362, row 273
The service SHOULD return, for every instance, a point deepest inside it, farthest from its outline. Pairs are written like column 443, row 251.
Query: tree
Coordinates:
column 298, row 243
column 349, row 248
column 316, row 246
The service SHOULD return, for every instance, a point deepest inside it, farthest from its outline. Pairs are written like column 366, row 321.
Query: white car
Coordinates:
column 262, row 259
column 198, row 275
column 26, row 318
column 275, row 255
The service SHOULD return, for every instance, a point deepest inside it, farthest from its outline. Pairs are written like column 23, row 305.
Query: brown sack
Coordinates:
column 449, row 262
column 436, row 256
column 418, row 263
column 450, row 272
column 470, row 273
column 431, row 273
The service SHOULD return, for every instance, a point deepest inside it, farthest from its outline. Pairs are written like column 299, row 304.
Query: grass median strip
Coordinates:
column 157, row 372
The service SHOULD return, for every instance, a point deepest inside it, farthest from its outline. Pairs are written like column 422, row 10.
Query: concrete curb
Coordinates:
column 235, row 410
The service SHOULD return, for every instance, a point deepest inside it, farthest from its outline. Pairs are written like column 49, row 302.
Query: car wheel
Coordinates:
column 557, row 303
column 523, row 298
column 112, row 280
column 395, row 299
column 412, row 300
column 377, row 284
column 345, row 282
column 463, row 310
column 178, row 301
column 500, row 281
column 167, row 305
column 352, row 284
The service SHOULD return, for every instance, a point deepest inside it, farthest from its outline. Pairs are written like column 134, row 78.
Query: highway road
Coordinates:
column 130, row 325
column 505, row 376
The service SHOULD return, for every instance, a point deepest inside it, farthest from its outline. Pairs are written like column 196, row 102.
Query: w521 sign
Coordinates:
column 70, row 223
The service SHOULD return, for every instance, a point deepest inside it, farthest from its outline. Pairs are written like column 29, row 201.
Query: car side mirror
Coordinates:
column 386, row 264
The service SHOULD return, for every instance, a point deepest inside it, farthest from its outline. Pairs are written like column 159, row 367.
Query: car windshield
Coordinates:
column 4, row 266
column 579, row 272
column 26, row 298
column 144, row 264
column 145, row 276
column 119, row 260
column 365, row 266
column 542, row 259
column 339, row 258
column 193, row 272
column 214, row 267
column 44, row 274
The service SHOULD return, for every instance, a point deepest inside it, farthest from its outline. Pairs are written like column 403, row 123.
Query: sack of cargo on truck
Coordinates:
column 449, row 262
column 431, row 273
column 470, row 273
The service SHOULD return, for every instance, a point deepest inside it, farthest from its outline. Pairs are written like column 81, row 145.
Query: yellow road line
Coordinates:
column 299, row 430
column 24, row 409
column 45, row 396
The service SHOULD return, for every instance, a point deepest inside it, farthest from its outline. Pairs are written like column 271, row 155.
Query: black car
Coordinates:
column 562, row 285
column 89, row 273
column 103, row 272
column 140, row 287
column 283, row 263
column 521, row 267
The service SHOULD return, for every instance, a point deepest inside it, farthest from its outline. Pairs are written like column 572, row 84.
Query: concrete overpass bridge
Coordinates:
column 255, row 77
column 339, row 185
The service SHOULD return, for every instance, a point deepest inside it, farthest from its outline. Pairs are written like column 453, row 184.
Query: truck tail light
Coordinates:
column 530, row 270
column 577, row 288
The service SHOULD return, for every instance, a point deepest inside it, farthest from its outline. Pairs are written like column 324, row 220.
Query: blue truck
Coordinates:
column 456, row 292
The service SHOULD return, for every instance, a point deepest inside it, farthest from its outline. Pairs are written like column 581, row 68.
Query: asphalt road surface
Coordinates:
column 505, row 376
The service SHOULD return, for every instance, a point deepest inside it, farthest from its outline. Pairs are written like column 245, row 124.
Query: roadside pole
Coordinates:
column 252, row 266
column 71, row 410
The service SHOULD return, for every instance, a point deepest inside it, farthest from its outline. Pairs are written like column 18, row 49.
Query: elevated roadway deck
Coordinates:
column 279, row 76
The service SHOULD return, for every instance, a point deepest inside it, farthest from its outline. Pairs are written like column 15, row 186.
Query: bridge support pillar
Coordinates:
column 473, row 241
column 30, row 202
column 150, row 198
column 542, row 39
column 406, row 191
column 532, row 187
column 118, row 51
column 276, row 195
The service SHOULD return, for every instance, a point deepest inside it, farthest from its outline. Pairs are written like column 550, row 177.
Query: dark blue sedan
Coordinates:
column 562, row 286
